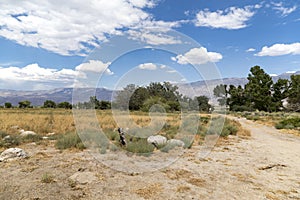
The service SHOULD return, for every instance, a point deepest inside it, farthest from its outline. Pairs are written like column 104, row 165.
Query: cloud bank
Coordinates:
column 280, row 49
column 230, row 18
column 69, row 27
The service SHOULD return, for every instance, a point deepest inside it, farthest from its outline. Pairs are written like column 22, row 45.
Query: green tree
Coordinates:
column 237, row 100
column 123, row 97
column 24, row 104
column 155, row 103
column 65, row 105
column 258, row 89
column 7, row 105
column 280, row 91
column 49, row 104
column 220, row 91
column 104, row 105
column 138, row 98
column 93, row 103
column 294, row 93
column 204, row 106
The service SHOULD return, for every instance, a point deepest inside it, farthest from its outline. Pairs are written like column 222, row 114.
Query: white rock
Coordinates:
column 6, row 138
column 12, row 153
column 83, row 177
column 25, row 133
column 176, row 142
column 157, row 140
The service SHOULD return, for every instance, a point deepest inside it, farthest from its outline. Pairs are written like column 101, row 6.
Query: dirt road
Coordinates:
column 266, row 166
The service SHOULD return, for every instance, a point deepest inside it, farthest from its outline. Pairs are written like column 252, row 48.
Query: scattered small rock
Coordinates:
column 12, row 153
column 6, row 138
column 83, row 177
column 25, row 133
column 157, row 140
column 176, row 142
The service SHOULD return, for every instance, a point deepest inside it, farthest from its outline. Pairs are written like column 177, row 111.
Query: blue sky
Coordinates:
column 102, row 43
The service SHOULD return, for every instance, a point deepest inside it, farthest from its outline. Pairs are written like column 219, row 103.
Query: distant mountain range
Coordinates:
column 37, row 98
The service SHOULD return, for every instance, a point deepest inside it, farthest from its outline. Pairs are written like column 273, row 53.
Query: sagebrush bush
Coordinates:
column 140, row 146
column 223, row 127
column 47, row 178
column 290, row 123
column 69, row 140
column 11, row 141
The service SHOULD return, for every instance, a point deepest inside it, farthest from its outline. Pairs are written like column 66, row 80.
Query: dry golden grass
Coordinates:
column 149, row 191
column 41, row 121
column 61, row 121
column 183, row 188
column 243, row 133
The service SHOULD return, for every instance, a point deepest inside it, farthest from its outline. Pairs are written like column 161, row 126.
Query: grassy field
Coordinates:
column 59, row 125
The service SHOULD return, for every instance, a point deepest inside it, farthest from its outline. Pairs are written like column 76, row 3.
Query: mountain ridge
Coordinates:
column 37, row 97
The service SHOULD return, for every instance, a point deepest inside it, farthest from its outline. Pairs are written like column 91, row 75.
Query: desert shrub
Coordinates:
column 140, row 146
column 113, row 147
column 252, row 117
column 47, row 178
column 12, row 141
column 222, row 126
column 69, row 140
column 228, row 129
column 188, row 142
column 2, row 134
column 290, row 123
column 112, row 135
column 31, row 138
column 167, row 148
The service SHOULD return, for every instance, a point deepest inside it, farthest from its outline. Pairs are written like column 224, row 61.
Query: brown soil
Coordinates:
column 265, row 166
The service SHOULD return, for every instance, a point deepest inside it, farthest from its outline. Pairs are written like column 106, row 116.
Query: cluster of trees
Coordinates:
column 260, row 93
column 94, row 103
column 136, row 98
column 165, row 94
column 47, row 104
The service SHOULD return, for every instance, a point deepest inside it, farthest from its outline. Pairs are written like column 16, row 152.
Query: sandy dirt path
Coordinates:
column 266, row 166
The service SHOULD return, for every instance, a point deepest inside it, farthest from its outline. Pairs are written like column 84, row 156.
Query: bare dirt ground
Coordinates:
column 265, row 166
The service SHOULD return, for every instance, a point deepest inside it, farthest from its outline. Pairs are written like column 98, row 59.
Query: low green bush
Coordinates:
column 140, row 146
column 69, row 140
column 223, row 127
column 289, row 123
column 11, row 141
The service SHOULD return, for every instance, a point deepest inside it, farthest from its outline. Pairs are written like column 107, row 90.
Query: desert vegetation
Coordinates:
column 58, row 126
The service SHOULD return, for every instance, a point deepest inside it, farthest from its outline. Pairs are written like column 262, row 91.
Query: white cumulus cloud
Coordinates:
column 34, row 72
column 69, row 27
column 231, row 18
column 280, row 49
column 197, row 56
column 94, row 66
column 250, row 50
column 34, row 76
column 147, row 66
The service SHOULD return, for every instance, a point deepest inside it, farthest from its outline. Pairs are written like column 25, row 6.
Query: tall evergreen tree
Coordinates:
column 258, row 89
column 294, row 93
